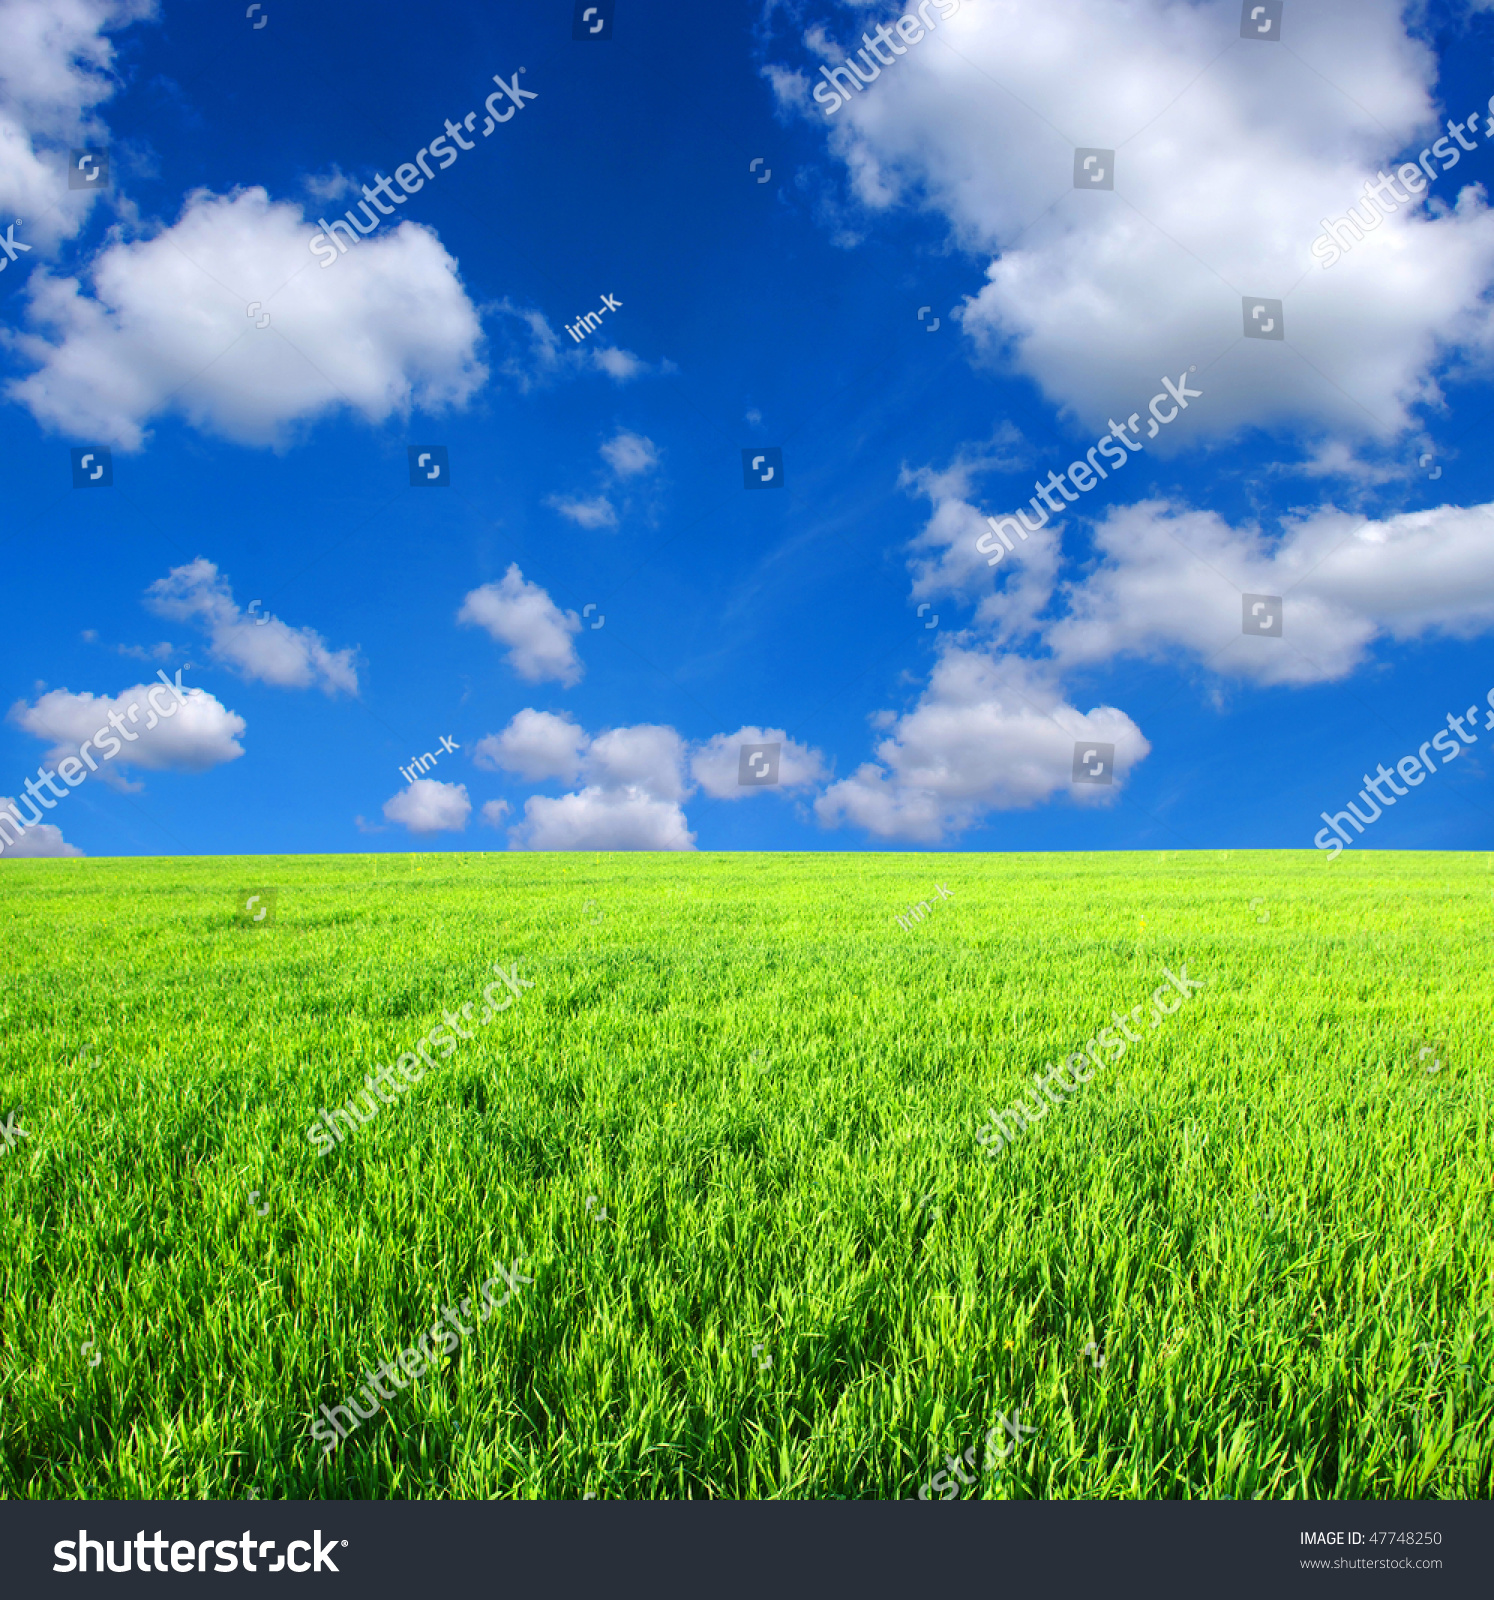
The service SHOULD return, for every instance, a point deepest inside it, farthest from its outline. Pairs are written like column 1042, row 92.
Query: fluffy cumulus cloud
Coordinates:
column 1228, row 156
column 602, row 819
column 1173, row 579
column 535, row 746
column 23, row 838
column 992, row 732
column 647, row 758
column 163, row 327
column 428, row 806
column 55, row 62
column 199, row 733
column 715, row 765
column 633, row 782
column 988, row 734
column 255, row 647
column 537, row 632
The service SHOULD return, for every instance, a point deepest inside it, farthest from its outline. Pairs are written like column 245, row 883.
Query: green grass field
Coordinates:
column 1271, row 1218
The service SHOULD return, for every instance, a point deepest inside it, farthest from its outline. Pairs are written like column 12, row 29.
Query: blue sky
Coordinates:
column 596, row 610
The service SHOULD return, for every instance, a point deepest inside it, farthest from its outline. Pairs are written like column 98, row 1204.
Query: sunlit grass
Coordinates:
column 1271, row 1218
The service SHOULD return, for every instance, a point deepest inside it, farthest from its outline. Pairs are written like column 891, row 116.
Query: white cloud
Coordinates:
column 1220, row 187
column 944, row 555
column 494, row 811
column 54, row 60
column 634, row 782
column 602, row 819
column 536, row 745
column 270, row 650
column 597, row 513
column 1172, row 578
column 54, row 71
column 522, row 616
column 623, row 366
column 1336, row 458
column 159, row 652
column 327, row 186
column 38, row 839
column 429, row 806
column 715, row 764
column 620, row 365
column 1013, row 610
column 384, row 328
column 988, row 734
column 542, row 359
column 629, row 454
column 200, row 733
column 647, row 758
column 945, row 561
column 539, row 358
